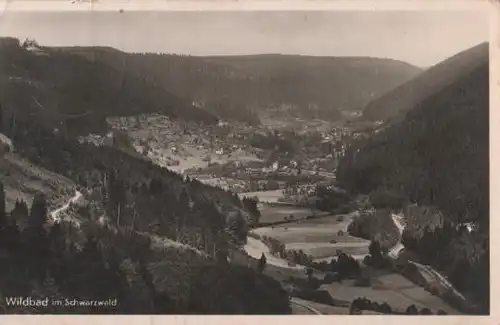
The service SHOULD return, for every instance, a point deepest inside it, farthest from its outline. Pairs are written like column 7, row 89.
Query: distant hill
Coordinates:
column 241, row 87
column 437, row 155
column 56, row 86
column 429, row 82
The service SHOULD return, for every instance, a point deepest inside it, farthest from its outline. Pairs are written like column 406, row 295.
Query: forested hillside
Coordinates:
column 124, row 271
column 152, row 239
column 405, row 97
column 438, row 155
column 164, row 244
column 76, row 95
column 241, row 87
column 137, row 193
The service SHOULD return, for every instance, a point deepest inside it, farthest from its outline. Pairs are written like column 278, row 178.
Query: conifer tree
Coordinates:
column 38, row 213
column 262, row 263
column 57, row 243
column 3, row 212
column 37, row 236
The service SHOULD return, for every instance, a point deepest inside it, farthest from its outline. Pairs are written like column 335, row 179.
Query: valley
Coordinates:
column 322, row 235
column 256, row 184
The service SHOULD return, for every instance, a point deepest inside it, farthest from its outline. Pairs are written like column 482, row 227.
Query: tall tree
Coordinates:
column 375, row 251
column 3, row 212
column 1, row 118
column 20, row 212
column 37, row 236
column 38, row 213
column 262, row 263
column 57, row 242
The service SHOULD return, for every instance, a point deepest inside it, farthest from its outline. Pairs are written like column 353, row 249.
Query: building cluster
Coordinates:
column 98, row 140
column 177, row 139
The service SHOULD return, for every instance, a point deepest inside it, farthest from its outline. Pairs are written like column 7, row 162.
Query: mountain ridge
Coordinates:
column 404, row 97
column 230, row 85
column 50, row 85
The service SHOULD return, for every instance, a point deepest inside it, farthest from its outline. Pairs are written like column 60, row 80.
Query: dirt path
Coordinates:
column 305, row 305
column 255, row 248
column 426, row 269
column 55, row 214
column 394, row 251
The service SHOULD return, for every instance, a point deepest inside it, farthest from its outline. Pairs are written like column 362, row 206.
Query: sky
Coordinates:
column 420, row 38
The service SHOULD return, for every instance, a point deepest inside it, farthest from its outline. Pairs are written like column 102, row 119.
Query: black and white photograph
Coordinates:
column 245, row 162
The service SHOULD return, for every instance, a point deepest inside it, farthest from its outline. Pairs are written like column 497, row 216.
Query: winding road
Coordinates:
column 398, row 221
column 255, row 248
column 304, row 304
column 55, row 215
column 427, row 271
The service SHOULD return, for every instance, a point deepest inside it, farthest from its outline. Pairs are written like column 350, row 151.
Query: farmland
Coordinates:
column 322, row 238
column 319, row 237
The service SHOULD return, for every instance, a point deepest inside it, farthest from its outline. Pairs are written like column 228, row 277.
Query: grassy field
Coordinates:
column 393, row 288
column 386, row 286
column 275, row 213
column 320, row 237
column 265, row 196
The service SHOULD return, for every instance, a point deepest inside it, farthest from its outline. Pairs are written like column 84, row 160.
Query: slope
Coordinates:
column 164, row 247
column 431, row 81
column 244, row 85
column 437, row 155
column 55, row 86
column 23, row 180
column 136, row 273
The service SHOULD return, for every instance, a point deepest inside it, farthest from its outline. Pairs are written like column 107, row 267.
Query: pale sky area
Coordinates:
column 419, row 38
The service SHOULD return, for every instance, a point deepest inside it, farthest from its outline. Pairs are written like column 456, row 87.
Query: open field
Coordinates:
column 277, row 213
column 393, row 288
column 386, row 286
column 320, row 237
column 265, row 196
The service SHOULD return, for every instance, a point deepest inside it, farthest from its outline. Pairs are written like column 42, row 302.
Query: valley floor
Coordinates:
column 386, row 286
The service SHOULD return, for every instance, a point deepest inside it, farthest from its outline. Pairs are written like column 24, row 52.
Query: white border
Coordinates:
column 236, row 5
column 293, row 5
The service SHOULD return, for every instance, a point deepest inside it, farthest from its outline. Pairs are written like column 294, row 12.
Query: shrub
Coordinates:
column 425, row 311
column 375, row 251
column 385, row 308
column 411, row 310
column 334, row 267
